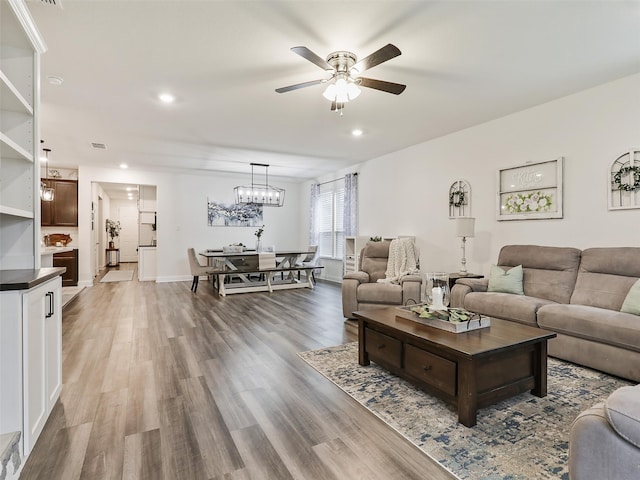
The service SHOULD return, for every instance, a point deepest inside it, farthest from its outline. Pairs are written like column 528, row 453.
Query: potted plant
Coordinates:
column 113, row 229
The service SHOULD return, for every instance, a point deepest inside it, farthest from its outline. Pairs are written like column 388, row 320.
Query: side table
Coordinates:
column 455, row 276
column 113, row 256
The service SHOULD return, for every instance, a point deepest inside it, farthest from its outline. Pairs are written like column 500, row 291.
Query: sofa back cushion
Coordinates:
column 605, row 276
column 374, row 258
column 549, row 272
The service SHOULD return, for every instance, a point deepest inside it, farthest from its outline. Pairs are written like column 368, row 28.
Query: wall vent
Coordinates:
column 53, row 3
column 100, row 146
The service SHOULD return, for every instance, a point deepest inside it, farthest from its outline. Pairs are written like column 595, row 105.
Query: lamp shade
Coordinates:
column 465, row 226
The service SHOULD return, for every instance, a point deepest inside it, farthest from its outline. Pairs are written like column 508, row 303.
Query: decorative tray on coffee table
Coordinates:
column 456, row 320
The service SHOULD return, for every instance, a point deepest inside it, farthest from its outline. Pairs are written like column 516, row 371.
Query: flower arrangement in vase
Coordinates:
column 113, row 230
column 258, row 233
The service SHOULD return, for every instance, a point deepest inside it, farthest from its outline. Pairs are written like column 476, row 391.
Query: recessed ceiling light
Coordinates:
column 166, row 98
column 54, row 80
column 356, row 132
column 124, row 165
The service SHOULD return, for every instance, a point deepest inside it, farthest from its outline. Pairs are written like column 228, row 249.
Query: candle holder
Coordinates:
column 436, row 290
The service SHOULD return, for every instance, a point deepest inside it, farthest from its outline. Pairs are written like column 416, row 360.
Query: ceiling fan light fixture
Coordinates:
column 341, row 91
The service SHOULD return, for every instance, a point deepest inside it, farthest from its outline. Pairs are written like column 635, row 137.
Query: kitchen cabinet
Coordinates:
column 20, row 49
column 30, row 354
column 147, row 198
column 69, row 260
column 147, row 260
column 63, row 210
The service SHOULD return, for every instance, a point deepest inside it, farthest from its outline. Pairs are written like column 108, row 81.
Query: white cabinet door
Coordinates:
column 147, row 261
column 53, row 343
column 35, row 305
column 42, row 356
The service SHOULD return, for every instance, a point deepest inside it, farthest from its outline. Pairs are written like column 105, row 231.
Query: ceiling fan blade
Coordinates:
column 389, row 87
column 337, row 106
column 298, row 85
column 307, row 54
column 387, row 52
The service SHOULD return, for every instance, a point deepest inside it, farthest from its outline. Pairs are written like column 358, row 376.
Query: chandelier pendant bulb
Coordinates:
column 47, row 194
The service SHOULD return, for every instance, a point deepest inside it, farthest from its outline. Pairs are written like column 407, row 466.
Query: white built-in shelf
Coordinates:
column 11, row 99
column 10, row 149
column 15, row 212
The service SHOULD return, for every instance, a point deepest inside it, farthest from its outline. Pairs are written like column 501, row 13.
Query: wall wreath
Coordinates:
column 624, row 177
column 459, row 199
column 635, row 178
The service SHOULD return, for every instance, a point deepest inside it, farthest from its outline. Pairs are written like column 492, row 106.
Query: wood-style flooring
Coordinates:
column 161, row 383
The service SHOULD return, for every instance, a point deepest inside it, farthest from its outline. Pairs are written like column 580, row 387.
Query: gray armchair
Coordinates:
column 361, row 290
column 605, row 439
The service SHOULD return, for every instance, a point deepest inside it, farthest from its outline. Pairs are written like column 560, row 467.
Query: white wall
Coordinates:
column 406, row 192
column 182, row 216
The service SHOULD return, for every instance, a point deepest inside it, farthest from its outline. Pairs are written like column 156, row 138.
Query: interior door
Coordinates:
column 129, row 233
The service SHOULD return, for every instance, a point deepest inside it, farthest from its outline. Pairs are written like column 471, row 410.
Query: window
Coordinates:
column 329, row 215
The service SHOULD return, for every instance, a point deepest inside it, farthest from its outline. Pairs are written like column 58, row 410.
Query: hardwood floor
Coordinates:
column 161, row 383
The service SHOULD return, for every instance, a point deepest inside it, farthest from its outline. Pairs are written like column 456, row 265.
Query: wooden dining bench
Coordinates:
column 269, row 284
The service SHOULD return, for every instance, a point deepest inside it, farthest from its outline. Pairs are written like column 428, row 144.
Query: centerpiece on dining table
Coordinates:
column 435, row 311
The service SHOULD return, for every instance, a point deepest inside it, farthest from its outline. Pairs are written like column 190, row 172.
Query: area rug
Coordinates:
column 118, row 276
column 524, row 437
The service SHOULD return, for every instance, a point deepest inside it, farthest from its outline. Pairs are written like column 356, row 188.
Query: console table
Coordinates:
column 113, row 256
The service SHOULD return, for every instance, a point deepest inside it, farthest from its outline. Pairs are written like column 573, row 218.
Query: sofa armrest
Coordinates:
column 475, row 284
column 410, row 278
column 360, row 277
column 463, row 286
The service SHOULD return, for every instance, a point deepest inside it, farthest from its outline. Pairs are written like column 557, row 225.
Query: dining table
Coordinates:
column 241, row 272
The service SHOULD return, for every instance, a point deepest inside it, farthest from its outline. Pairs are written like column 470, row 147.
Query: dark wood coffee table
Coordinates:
column 471, row 370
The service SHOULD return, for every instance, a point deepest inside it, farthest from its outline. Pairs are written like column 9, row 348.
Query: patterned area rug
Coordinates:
column 524, row 437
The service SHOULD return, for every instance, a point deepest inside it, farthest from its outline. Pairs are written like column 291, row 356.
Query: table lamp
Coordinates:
column 465, row 227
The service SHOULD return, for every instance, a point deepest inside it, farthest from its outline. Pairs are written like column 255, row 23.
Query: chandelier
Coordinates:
column 46, row 193
column 260, row 193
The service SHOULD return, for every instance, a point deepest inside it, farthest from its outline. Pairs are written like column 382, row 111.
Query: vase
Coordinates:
column 436, row 290
column 258, row 245
column 112, row 245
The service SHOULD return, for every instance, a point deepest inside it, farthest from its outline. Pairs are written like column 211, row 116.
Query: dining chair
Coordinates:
column 197, row 269
column 311, row 260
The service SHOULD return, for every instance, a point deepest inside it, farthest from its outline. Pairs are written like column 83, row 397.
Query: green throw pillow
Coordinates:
column 506, row 282
column 631, row 303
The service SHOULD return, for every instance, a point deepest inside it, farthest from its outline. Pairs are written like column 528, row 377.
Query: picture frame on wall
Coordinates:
column 531, row 191
column 233, row 215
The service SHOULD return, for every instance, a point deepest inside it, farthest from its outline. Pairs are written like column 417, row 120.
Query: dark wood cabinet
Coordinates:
column 63, row 210
column 69, row 260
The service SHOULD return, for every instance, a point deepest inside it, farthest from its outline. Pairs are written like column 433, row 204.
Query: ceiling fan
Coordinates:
column 345, row 70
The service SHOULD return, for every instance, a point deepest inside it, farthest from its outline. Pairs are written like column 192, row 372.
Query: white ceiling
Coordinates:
column 464, row 63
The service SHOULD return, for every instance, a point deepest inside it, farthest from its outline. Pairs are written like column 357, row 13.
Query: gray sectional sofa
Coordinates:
column 575, row 293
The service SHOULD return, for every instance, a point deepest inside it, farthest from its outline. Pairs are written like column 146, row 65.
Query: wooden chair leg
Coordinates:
column 196, row 279
column 193, row 284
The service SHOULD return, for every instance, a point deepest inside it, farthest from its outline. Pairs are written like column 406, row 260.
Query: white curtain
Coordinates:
column 350, row 219
column 313, row 221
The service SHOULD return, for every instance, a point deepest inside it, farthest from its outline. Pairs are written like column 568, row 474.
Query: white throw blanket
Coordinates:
column 403, row 260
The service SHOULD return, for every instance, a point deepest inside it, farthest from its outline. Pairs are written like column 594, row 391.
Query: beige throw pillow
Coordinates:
column 509, row 281
column 631, row 303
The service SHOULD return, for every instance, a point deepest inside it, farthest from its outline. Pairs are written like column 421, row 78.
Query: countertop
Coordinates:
column 52, row 250
column 147, row 246
column 29, row 278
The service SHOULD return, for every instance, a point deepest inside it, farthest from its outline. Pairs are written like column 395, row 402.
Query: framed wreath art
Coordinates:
column 625, row 181
column 459, row 199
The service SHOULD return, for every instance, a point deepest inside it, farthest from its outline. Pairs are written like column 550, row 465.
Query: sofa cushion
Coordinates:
column 519, row 308
column 549, row 272
column 605, row 276
column 505, row 281
column 623, row 412
column 380, row 293
column 631, row 302
column 592, row 323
